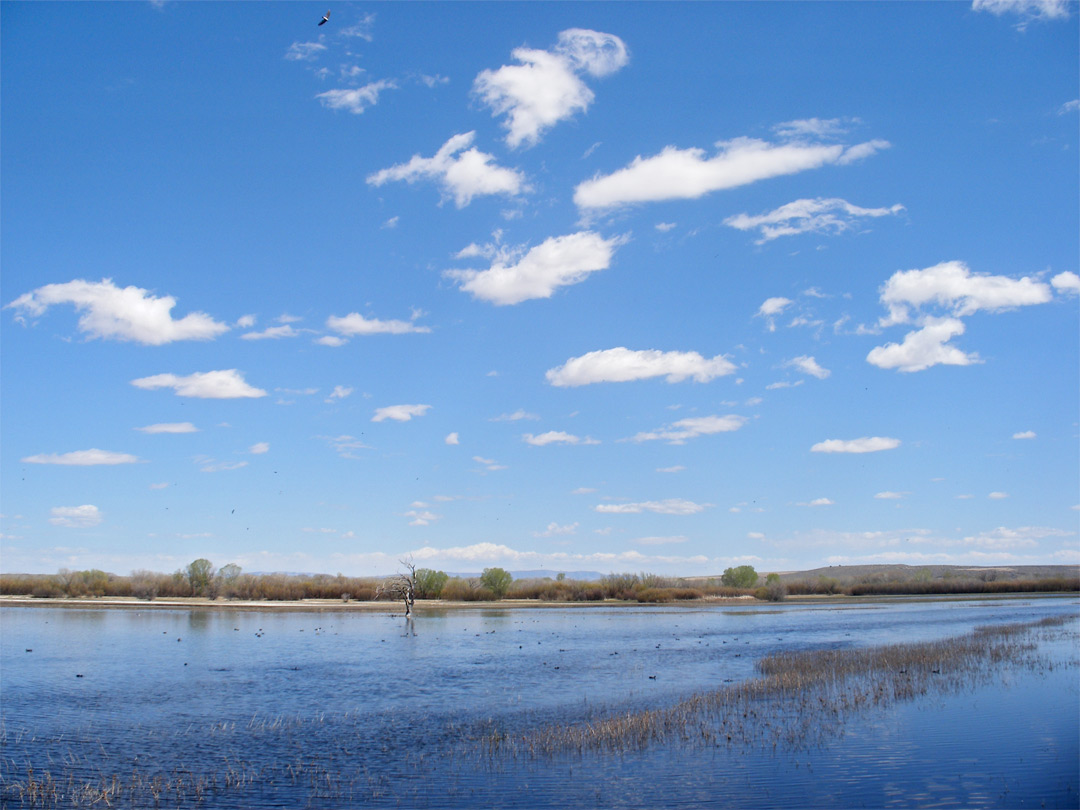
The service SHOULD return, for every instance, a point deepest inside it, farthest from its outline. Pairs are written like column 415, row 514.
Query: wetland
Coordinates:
column 962, row 703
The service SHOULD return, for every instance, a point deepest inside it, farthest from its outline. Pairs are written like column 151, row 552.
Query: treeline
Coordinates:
column 201, row 579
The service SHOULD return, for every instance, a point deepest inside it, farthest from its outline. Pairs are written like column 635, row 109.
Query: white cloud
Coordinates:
column 870, row 444
column 808, row 365
column 689, row 174
column 452, row 439
column 559, row 261
column 83, row 458
column 1027, row 10
column 692, row 427
column 355, row 99
column 674, row 469
column 817, row 502
column 259, row 448
column 462, row 176
column 783, row 384
column 998, row 496
column 545, row 87
column 489, row 463
column 671, row 506
column 954, row 287
column 399, row 413
column 271, row 333
column 304, row 51
column 664, row 227
column 245, row 321
column 516, row 416
column 815, row 128
column 1066, row 282
column 555, row 530
column 807, row 216
column 224, row 384
column 355, row 324
column 555, row 437
column 421, row 517
column 624, row 365
column 331, row 340
column 110, row 312
column 889, row 496
column 339, row 392
column 169, row 427
column 1027, row 434
column 771, row 308
column 924, row 348
column 1069, row 106
column 76, row 517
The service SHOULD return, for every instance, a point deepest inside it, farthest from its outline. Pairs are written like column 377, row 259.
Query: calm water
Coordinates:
column 321, row 709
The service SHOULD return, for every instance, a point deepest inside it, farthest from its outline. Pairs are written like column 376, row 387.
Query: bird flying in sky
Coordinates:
column 325, row 19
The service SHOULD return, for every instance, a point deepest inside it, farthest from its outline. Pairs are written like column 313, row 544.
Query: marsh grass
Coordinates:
column 798, row 698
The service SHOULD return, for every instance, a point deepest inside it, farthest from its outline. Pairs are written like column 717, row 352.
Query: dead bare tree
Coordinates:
column 400, row 586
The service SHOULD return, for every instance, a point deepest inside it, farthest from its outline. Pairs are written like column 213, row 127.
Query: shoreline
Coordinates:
column 432, row 605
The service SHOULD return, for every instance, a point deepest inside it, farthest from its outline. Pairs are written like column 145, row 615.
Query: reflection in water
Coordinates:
column 365, row 709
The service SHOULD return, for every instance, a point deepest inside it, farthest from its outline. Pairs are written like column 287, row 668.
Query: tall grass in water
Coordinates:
column 798, row 697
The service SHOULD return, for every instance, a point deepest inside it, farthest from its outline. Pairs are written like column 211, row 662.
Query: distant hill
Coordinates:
column 849, row 574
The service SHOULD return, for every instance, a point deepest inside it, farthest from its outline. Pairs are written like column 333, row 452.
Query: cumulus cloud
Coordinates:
column 452, row 439
column 461, row 172
column 817, row 502
column 355, row 99
column 169, row 427
column 224, row 384
column 1027, row 434
column 889, row 496
column 339, row 392
column 516, row 416
column 556, row 437
column 259, row 448
column 399, row 413
column 624, row 365
column 808, row 365
column 692, row 427
column 953, row 287
column 83, row 458
column 115, row 313
column 490, row 463
column 518, row 275
column 924, row 348
column 545, row 87
column 76, row 517
column 828, row 216
column 671, row 506
column 688, row 174
column 1066, row 282
column 869, row 444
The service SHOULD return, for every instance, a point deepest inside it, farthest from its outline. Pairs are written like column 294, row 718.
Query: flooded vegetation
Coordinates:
column 762, row 706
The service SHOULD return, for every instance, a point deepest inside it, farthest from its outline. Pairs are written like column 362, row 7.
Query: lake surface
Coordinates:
column 293, row 709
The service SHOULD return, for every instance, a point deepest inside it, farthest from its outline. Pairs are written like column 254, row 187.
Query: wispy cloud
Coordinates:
column 671, row 506
column 76, row 517
column 692, row 427
column 826, row 216
column 688, row 174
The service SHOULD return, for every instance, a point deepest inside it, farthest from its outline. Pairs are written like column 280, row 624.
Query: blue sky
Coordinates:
column 573, row 286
